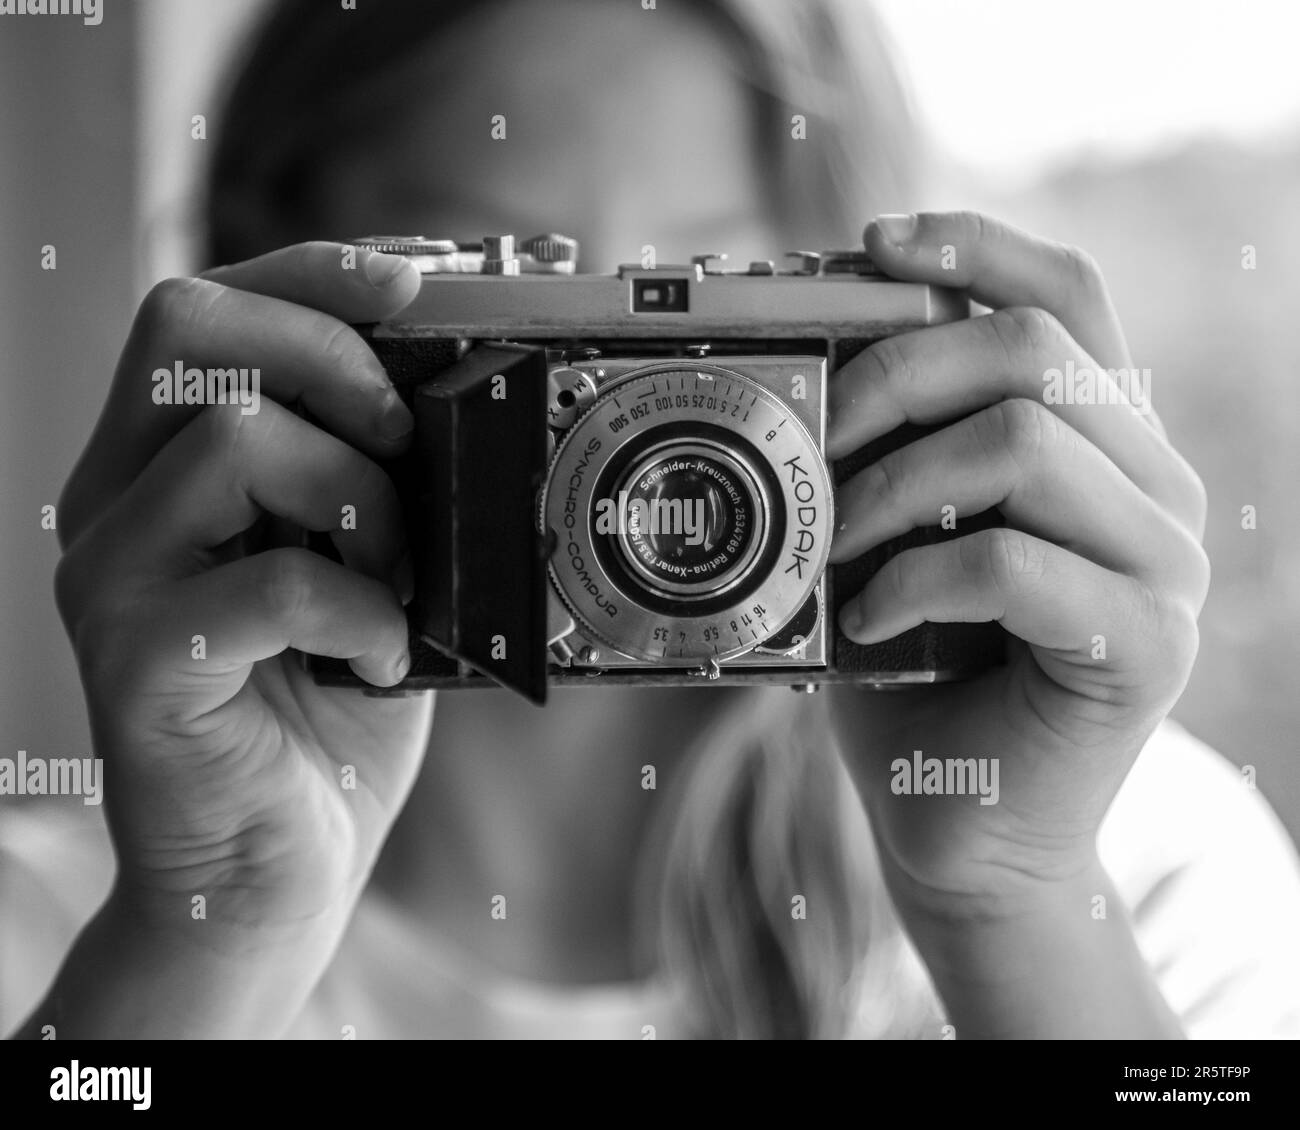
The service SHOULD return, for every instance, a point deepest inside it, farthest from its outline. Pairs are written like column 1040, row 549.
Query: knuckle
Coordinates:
column 892, row 362
column 1180, row 637
column 1023, row 428
column 312, row 253
column 1026, row 333
column 884, row 478
column 1205, row 576
column 176, row 302
column 974, row 227
column 1198, row 501
column 310, row 259
column 372, row 481
column 1202, row 573
column 339, row 341
column 103, row 624
column 1083, row 270
column 1186, row 638
column 1200, row 497
column 287, row 583
column 72, row 507
column 1000, row 557
column 901, row 578
column 361, row 482
column 69, row 587
column 224, row 431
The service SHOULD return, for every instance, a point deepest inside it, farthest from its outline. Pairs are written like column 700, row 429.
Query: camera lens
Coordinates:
column 691, row 519
column 688, row 518
column 691, row 510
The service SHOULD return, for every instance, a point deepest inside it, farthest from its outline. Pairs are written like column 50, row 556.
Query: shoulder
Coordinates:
column 1212, row 882
column 56, row 868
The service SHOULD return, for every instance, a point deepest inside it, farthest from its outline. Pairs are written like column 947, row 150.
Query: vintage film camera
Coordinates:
column 621, row 478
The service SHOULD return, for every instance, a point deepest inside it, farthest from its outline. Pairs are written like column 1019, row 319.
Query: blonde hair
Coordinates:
column 767, row 815
column 762, row 900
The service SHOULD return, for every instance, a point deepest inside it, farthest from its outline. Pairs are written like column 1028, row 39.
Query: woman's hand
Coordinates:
column 229, row 774
column 1099, row 574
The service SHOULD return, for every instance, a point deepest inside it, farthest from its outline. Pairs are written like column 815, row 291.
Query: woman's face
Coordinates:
column 623, row 127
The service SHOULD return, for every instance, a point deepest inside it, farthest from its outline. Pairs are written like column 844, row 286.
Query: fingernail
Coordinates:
column 382, row 268
column 404, row 579
column 851, row 619
column 832, row 423
column 402, row 666
column 395, row 419
column 897, row 227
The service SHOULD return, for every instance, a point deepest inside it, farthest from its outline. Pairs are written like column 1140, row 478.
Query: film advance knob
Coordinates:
column 552, row 252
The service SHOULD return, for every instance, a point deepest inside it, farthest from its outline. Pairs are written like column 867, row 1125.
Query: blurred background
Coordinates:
column 1162, row 136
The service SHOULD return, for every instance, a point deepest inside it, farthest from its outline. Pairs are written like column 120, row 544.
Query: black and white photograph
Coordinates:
column 719, row 520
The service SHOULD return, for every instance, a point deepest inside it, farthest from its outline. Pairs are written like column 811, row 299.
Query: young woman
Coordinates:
column 500, row 870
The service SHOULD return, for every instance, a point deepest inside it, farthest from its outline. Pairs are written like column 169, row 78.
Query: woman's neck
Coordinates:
column 523, row 835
